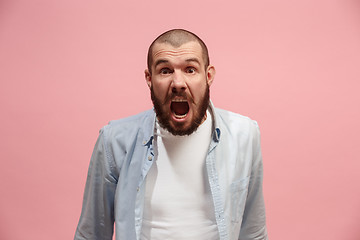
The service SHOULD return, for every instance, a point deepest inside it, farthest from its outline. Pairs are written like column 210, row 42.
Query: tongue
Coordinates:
column 180, row 108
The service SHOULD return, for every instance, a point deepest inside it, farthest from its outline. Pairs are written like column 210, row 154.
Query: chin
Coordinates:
column 183, row 126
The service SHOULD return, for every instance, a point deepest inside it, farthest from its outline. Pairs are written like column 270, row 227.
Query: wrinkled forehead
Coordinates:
column 166, row 50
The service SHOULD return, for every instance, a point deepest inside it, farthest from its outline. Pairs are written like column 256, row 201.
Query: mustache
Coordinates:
column 181, row 95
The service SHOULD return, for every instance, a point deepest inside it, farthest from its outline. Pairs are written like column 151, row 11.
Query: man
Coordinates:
column 184, row 170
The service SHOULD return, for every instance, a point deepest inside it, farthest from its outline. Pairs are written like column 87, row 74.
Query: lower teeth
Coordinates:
column 180, row 116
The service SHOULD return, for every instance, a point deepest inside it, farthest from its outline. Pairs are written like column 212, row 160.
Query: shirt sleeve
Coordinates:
column 254, row 224
column 97, row 215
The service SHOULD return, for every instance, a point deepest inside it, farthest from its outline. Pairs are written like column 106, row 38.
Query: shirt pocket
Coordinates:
column 239, row 191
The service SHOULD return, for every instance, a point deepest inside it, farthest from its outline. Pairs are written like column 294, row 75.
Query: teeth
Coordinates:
column 179, row 100
column 180, row 116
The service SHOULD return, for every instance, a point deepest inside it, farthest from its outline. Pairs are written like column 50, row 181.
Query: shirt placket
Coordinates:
column 215, row 191
column 139, row 209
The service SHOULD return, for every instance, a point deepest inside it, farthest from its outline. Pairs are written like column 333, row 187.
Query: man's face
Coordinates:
column 179, row 85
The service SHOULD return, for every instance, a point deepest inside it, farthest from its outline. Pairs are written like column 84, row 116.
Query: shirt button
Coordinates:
column 150, row 158
column 137, row 189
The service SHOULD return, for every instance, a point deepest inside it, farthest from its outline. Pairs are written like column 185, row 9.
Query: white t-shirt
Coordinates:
column 178, row 202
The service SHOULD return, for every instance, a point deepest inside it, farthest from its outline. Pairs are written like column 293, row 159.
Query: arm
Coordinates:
column 97, row 216
column 253, row 225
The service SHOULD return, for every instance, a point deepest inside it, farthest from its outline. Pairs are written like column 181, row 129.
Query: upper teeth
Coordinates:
column 179, row 100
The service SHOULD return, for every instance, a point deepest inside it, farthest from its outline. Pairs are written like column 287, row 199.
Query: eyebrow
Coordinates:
column 193, row 60
column 160, row 61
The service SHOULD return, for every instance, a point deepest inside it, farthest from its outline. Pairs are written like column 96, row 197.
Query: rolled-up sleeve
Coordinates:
column 97, row 215
column 254, row 224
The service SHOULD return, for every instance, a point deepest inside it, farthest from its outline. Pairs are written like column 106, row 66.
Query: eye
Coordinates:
column 165, row 71
column 190, row 70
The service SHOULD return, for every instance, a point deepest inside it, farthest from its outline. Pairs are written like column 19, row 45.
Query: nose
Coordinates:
column 178, row 82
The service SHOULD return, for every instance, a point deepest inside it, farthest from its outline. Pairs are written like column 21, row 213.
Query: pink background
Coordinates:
column 68, row 67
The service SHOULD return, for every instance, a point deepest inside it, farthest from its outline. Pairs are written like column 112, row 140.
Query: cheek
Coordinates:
column 160, row 90
column 198, row 91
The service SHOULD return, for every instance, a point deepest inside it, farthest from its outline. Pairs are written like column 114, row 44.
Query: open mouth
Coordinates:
column 179, row 108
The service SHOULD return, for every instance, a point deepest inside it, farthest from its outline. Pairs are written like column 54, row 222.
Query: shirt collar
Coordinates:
column 217, row 132
column 149, row 127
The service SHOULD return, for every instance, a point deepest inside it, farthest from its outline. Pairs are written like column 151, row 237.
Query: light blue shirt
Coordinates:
column 124, row 153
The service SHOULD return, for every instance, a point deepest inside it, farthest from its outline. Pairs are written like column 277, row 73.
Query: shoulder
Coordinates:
column 235, row 122
column 130, row 125
column 238, row 130
column 132, row 120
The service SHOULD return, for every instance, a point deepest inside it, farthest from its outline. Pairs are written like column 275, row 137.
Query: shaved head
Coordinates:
column 176, row 38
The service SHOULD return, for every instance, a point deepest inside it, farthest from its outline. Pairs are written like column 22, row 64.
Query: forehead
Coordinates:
column 167, row 51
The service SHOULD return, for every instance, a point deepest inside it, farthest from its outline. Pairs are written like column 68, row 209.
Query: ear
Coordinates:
column 210, row 74
column 148, row 77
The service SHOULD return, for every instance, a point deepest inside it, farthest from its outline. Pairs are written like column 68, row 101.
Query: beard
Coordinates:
column 164, row 116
